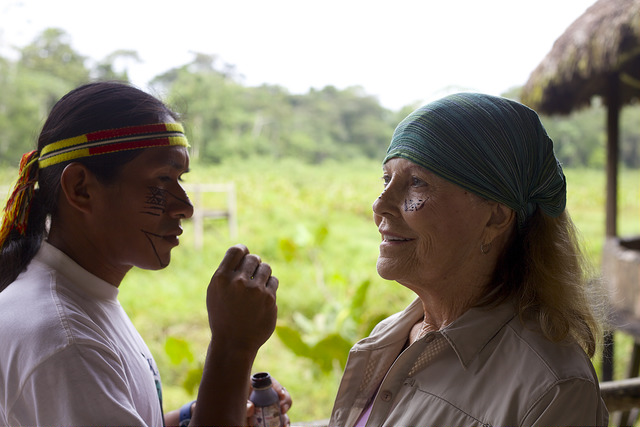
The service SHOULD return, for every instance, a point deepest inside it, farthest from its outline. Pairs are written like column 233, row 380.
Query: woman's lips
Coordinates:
column 392, row 238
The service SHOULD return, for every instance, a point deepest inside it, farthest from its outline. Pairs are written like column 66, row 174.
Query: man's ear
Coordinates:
column 78, row 184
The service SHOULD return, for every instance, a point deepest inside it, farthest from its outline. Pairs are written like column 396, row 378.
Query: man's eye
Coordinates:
column 386, row 179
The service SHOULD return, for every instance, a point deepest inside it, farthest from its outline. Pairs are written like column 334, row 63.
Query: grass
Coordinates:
column 282, row 208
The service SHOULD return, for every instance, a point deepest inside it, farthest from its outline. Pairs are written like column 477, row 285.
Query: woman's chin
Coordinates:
column 385, row 270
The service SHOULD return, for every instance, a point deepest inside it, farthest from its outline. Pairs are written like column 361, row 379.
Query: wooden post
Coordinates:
column 613, row 153
column 607, row 356
column 200, row 212
column 198, row 217
column 611, row 208
column 233, row 215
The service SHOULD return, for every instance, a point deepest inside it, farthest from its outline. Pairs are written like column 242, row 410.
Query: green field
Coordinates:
column 313, row 225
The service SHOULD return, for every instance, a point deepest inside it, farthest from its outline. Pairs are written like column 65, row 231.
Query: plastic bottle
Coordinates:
column 266, row 401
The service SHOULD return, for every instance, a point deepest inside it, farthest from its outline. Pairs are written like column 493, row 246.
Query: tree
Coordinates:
column 211, row 103
column 630, row 136
column 106, row 69
column 51, row 53
column 579, row 138
column 225, row 118
column 47, row 69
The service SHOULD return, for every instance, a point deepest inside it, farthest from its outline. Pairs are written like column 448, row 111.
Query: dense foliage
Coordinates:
column 227, row 119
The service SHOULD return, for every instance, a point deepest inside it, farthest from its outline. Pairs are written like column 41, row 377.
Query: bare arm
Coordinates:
column 241, row 301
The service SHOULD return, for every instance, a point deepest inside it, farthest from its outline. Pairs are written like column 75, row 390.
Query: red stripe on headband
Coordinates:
column 133, row 130
column 160, row 142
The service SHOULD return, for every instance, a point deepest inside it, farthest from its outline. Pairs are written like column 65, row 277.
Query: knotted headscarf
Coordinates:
column 491, row 146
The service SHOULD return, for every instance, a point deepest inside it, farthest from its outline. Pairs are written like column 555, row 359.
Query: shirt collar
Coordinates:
column 82, row 280
column 467, row 339
column 464, row 334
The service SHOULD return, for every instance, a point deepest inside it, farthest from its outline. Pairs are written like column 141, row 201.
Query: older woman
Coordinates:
column 473, row 220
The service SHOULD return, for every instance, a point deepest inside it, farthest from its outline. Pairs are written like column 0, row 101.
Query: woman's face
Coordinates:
column 140, row 214
column 431, row 229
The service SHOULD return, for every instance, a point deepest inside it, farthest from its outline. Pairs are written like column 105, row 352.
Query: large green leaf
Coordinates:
column 288, row 248
column 178, row 350
column 333, row 347
column 358, row 300
column 292, row 339
column 192, row 380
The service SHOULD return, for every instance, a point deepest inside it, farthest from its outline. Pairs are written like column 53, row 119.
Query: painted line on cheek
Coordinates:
column 148, row 235
column 156, row 199
column 150, row 211
column 185, row 201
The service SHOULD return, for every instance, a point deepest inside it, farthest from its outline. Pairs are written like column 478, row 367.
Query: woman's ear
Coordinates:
column 77, row 184
column 502, row 220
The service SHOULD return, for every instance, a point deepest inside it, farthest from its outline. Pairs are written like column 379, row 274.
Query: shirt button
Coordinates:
column 386, row 395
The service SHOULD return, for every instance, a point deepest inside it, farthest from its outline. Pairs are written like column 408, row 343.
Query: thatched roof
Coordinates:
column 604, row 40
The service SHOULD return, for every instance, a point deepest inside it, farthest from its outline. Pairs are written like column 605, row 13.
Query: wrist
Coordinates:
column 225, row 351
column 186, row 413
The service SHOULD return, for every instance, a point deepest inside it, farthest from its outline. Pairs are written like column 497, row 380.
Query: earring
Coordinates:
column 485, row 248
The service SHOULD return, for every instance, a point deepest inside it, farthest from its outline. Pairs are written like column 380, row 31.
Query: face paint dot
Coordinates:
column 412, row 205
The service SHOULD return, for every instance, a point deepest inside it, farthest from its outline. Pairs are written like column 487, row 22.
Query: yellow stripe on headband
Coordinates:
column 113, row 140
column 69, row 142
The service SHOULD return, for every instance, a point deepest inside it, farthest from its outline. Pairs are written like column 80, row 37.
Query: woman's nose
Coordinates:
column 384, row 203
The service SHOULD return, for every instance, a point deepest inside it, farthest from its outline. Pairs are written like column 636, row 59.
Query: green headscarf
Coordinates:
column 491, row 146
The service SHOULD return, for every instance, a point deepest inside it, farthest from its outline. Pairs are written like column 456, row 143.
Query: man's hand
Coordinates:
column 241, row 301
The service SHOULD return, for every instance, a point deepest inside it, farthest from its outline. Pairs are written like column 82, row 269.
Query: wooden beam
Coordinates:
column 621, row 395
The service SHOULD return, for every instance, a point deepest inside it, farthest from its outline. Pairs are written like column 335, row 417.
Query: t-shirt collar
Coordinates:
column 85, row 281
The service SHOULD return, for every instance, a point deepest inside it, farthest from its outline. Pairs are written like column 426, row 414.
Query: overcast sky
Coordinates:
column 401, row 51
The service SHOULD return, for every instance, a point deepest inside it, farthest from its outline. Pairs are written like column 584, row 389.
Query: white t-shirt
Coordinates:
column 69, row 355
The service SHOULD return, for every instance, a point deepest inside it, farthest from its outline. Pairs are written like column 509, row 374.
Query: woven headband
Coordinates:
column 109, row 141
column 16, row 212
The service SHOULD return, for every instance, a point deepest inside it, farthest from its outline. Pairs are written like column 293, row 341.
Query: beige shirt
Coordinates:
column 484, row 369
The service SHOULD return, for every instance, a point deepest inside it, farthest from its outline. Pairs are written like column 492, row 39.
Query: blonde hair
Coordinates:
column 547, row 273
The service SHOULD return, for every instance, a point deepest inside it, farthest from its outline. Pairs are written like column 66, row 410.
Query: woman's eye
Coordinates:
column 386, row 179
column 417, row 182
